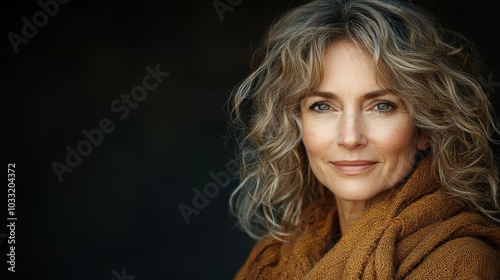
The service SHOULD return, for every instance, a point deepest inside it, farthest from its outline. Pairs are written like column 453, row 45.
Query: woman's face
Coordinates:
column 359, row 138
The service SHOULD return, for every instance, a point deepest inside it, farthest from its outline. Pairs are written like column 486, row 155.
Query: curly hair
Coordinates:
column 434, row 71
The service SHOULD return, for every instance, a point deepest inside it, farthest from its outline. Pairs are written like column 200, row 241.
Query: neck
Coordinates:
column 348, row 211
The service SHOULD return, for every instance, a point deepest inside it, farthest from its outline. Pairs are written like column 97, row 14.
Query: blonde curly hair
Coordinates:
column 434, row 71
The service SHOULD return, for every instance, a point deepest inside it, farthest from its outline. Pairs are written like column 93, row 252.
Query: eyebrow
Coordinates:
column 368, row 95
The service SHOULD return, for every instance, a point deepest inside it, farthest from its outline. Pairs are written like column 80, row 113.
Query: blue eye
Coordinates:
column 384, row 107
column 320, row 106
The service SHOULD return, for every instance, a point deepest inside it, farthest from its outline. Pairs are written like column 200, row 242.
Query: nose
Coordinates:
column 351, row 130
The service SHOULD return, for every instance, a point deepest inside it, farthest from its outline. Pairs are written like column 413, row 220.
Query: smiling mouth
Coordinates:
column 355, row 167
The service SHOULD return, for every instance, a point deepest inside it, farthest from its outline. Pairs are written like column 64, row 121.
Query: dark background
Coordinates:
column 118, row 209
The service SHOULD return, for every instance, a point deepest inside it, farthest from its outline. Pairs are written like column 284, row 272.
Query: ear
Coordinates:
column 423, row 141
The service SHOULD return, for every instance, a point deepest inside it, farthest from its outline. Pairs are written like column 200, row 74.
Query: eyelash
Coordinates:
column 392, row 105
column 316, row 104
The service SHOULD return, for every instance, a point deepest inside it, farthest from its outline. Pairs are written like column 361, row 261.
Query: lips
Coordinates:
column 354, row 167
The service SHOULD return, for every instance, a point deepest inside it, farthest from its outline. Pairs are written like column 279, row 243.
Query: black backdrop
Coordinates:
column 116, row 214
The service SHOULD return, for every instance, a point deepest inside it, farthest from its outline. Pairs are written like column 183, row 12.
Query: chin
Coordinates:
column 358, row 192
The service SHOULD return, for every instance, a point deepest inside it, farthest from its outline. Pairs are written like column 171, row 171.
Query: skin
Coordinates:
column 359, row 137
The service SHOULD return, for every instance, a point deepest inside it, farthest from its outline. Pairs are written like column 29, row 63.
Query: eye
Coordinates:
column 384, row 107
column 320, row 106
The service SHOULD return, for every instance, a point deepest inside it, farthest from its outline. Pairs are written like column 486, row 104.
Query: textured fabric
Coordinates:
column 421, row 233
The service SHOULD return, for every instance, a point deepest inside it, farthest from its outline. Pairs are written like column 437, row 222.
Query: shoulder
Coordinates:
column 460, row 258
column 265, row 253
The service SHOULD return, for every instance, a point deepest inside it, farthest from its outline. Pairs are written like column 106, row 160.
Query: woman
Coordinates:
column 366, row 149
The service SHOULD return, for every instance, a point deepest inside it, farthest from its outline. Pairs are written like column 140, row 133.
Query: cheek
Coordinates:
column 317, row 137
column 396, row 139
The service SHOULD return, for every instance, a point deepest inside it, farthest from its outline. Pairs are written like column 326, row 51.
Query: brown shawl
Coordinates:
column 421, row 233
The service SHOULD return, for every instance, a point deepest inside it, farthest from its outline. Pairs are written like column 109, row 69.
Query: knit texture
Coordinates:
column 421, row 233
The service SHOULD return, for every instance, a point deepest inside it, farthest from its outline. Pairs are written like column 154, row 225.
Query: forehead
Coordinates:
column 348, row 69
